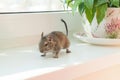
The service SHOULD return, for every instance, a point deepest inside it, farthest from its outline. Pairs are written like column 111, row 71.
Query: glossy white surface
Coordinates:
column 26, row 62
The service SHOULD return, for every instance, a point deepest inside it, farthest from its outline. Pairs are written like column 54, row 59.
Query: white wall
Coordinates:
column 19, row 29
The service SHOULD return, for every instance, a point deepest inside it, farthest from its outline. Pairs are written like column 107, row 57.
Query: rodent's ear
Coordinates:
column 42, row 35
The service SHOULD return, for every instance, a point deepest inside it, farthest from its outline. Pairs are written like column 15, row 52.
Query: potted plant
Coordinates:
column 105, row 12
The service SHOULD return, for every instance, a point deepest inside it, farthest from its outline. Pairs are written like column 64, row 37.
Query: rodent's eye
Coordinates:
column 46, row 44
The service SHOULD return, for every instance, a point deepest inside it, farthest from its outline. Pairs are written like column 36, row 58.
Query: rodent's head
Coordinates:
column 46, row 44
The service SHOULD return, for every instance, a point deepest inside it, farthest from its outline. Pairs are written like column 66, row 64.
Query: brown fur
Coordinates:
column 54, row 42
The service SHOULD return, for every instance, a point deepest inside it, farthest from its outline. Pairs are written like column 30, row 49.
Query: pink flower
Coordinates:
column 113, row 26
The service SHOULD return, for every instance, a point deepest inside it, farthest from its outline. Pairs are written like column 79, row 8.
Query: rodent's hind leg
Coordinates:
column 43, row 55
column 68, row 51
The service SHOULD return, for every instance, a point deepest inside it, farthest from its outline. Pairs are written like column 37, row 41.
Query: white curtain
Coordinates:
column 30, row 5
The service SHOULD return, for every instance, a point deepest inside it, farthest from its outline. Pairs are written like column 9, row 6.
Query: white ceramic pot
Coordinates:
column 108, row 28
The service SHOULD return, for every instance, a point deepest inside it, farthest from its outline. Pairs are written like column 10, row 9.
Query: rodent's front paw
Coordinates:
column 43, row 55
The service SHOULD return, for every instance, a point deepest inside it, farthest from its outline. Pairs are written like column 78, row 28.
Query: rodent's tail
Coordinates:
column 65, row 26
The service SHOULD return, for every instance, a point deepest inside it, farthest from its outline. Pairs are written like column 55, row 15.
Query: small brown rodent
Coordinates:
column 54, row 42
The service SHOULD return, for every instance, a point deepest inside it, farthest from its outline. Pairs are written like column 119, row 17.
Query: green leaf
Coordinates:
column 68, row 2
column 81, row 8
column 115, row 3
column 100, row 12
column 89, row 3
column 75, row 5
column 100, row 2
column 89, row 14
